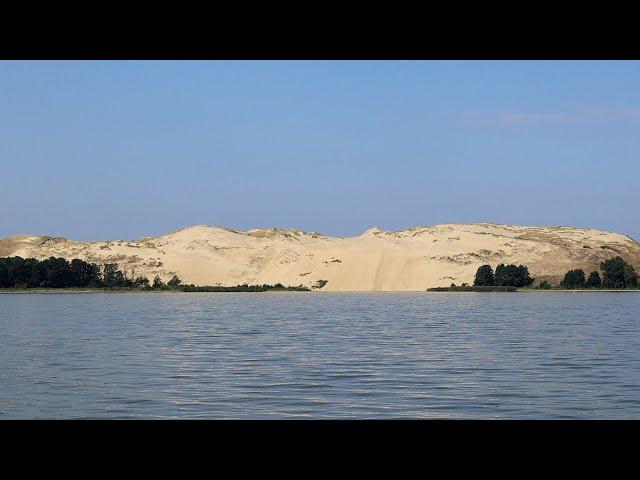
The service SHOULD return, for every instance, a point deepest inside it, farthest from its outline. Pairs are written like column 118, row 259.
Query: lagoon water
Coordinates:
column 320, row 355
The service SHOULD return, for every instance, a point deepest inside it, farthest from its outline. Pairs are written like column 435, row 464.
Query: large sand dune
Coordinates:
column 377, row 260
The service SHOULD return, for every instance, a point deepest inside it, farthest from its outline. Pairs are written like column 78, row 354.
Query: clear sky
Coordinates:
column 102, row 150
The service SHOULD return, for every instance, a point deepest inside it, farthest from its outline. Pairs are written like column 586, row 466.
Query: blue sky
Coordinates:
column 97, row 150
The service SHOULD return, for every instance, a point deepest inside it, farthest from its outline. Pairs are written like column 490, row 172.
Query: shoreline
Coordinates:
column 65, row 291
column 404, row 260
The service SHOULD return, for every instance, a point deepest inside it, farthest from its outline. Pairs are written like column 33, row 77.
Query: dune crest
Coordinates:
column 377, row 260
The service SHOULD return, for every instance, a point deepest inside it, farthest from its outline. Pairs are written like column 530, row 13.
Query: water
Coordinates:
column 306, row 355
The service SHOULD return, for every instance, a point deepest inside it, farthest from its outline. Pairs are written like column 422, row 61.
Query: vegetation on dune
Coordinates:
column 574, row 279
column 505, row 276
column 244, row 288
column 158, row 283
column 319, row 284
column 594, row 280
column 484, row 276
column 18, row 272
column 512, row 276
column 467, row 288
column 544, row 285
column 616, row 274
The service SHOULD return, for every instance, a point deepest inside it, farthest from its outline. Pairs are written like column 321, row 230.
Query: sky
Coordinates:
column 120, row 150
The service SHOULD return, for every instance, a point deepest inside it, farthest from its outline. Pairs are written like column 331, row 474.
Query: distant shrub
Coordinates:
column 319, row 284
column 157, row 282
column 573, row 279
column 618, row 274
column 242, row 288
column 484, row 277
column 487, row 289
column 594, row 280
column 512, row 276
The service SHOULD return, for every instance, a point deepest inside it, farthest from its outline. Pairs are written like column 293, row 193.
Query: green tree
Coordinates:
column 630, row 277
column 523, row 279
column 84, row 274
column 157, row 282
column 4, row 274
column 35, row 272
column 594, row 280
column 58, row 273
column 484, row 277
column 174, row 282
column 544, row 285
column 501, row 275
column 618, row 274
column 141, row 281
column 112, row 276
column 54, row 273
column 573, row 279
column 512, row 276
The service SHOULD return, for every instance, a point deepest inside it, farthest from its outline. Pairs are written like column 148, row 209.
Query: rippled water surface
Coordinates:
column 306, row 355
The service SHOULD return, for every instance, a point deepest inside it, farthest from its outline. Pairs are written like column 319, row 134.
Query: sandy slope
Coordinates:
column 408, row 260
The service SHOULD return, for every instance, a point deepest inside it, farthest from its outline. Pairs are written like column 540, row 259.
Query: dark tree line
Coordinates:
column 243, row 288
column 616, row 274
column 18, row 272
column 504, row 276
column 594, row 280
column 574, row 279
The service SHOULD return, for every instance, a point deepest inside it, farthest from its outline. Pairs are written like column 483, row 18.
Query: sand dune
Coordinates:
column 377, row 260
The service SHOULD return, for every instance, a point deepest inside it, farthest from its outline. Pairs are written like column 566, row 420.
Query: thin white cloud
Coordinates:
column 583, row 115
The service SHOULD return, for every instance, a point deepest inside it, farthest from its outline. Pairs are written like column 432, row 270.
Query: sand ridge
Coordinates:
column 377, row 260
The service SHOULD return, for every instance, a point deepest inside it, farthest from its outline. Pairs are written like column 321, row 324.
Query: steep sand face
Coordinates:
column 377, row 260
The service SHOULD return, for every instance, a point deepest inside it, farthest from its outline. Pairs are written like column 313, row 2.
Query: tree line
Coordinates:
column 616, row 274
column 18, row 272
column 504, row 276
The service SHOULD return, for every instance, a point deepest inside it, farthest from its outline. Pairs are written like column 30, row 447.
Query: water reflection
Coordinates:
column 298, row 355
